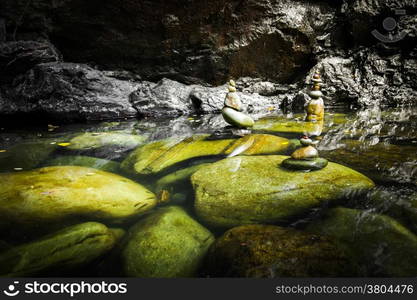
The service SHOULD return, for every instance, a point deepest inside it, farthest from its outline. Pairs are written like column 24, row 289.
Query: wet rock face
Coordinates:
column 180, row 48
column 18, row 57
column 369, row 77
column 181, row 39
column 172, row 98
column 68, row 91
column 363, row 16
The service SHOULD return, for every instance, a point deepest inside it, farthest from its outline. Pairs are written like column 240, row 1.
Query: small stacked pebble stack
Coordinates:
column 315, row 107
column 305, row 158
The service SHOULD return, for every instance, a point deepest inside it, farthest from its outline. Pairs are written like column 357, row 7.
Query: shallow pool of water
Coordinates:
column 378, row 143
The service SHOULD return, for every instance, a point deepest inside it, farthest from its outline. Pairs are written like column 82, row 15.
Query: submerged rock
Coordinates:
column 381, row 245
column 167, row 243
column 95, row 140
column 61, row 251
column 382, row 162
column 246, row 190
column 25, row 156
column 54, row 194
column 84, row 161
column 296, row 126
column 158, row 156
column 272, row 251
column 398, row 203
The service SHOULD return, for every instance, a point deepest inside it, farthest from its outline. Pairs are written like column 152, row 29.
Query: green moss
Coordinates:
column 53, row 194
column 381, row 245
column 168, row 243
column 245, row 190
column 66, row 249
column 158, row 156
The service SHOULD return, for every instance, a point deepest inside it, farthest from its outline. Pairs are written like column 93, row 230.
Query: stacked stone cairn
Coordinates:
column 305, row 158
column 232, row 110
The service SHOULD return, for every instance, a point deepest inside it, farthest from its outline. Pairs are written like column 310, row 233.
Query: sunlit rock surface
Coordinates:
column 160, row 155
column 167, row 243
column 246, row 190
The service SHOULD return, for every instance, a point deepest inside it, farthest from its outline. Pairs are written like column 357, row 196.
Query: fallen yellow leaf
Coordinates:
column 2, row 151
column 64, row 144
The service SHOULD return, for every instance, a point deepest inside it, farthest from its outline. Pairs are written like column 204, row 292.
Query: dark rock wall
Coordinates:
column 273, row 45
column 186, row 39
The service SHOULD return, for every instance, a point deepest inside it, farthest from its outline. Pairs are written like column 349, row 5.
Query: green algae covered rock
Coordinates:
column 63, row 250
column 246, row 190
column 167, row 243
column 380, row 244
column 296, row 126
column 95, row 140
column 158, row 156
column 25, row 156
column 53, row 194
column 84, row 161
column 272, row 251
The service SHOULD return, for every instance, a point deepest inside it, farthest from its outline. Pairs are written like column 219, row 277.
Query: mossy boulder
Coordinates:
column 167, row 243
column 25, row 156
column 95, row 140
column 53, row 194
column 246, row 190
column 272, row 251
column 161, row 155
column 61, row 251
column 381, row 245
column 84, row 161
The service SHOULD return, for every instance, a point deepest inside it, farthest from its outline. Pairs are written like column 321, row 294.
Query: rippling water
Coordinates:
column 380, row 143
